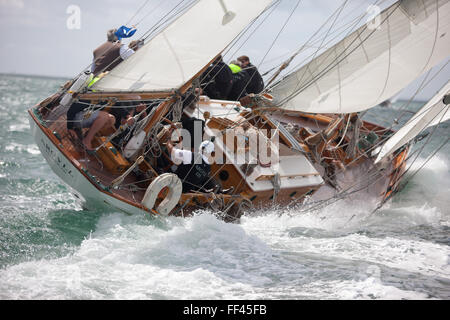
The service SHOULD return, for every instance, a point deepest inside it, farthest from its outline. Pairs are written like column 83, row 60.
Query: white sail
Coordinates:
column 180, row 51
column 431, row 114
column 371, row 65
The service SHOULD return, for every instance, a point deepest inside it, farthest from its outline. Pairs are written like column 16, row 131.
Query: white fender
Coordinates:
column 134, row 145
column 175, row 186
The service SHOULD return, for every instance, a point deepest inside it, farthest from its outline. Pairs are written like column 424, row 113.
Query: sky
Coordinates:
column 56, row 37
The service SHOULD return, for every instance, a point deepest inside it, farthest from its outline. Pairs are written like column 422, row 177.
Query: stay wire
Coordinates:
column 427, row 141
column 344, row 194
column 137, row 12
column 405, row 106
column 339, row 58
column 310, row 43
column 272, row 44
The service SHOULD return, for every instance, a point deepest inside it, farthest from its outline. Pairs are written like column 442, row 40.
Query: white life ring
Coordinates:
column 175, row 186
column 134, row 145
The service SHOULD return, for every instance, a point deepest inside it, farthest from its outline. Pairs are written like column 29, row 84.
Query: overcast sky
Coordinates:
column 50, row 37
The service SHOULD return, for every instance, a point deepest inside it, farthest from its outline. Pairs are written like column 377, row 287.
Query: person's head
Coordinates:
column 111, row 35
column 244, row 60
column 218, row 59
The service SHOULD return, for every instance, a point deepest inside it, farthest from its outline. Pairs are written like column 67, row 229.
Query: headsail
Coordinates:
column 371, row 65
column 432, row 113
column 180, row 51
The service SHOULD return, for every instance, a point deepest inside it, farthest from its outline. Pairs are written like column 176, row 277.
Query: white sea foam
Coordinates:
column 19, row 127
column 16, row 147
column 431, row 184
column 196, row 258
column 371, row 288
column 204, row 258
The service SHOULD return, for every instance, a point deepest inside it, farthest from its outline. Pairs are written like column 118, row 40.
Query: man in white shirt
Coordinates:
column 194, row 169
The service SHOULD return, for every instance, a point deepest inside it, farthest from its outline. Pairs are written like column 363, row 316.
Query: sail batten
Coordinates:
column 370, row 66
column 181, row 50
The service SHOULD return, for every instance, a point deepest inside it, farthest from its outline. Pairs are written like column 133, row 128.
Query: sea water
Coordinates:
column 50, row 248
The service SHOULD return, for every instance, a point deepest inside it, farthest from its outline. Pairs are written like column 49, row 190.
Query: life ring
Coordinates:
column 173, row 183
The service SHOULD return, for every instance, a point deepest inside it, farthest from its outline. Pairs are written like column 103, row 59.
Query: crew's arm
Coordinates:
column 125, row 52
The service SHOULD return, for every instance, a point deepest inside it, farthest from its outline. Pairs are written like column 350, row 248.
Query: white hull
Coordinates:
column 83, row 188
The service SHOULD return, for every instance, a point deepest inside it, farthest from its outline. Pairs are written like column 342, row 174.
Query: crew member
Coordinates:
column 194, row 169
column 110, row 54
column 217, row 80
column 125, row 114
column 79, row 116
column 256, row 82
column 240, row 81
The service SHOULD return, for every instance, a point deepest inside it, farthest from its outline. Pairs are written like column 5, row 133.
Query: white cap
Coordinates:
column 206, row 148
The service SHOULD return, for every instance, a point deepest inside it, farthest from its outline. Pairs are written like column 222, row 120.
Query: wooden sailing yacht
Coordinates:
column 308, row 119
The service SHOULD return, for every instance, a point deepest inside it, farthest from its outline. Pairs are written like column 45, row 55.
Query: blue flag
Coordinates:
column 125, row 32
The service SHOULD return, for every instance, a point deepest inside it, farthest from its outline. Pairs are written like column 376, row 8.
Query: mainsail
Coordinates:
column 431, row 114
column 371, row 64
column 179, row 52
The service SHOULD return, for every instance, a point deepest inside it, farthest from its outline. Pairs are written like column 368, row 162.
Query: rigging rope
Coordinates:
column 137, row 12
column 269, row 50
column 278, row 35
column 310, row 43
column 341, row 57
